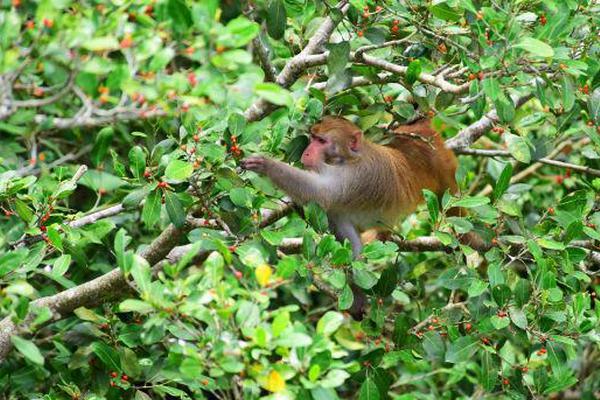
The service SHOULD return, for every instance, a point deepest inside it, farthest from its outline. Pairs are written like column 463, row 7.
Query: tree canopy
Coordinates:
column 138, row 260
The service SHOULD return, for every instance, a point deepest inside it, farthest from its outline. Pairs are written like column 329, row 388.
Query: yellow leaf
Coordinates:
column 275, row 382
column 263, row 274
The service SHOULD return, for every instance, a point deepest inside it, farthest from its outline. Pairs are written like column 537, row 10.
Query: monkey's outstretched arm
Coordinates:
column 303, row 186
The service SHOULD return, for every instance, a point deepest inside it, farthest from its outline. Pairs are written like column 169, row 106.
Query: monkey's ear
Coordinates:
column 356, row 140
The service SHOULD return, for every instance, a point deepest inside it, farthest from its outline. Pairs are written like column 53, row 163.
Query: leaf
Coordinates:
column 551, row 244
column 432, row 205
column 517, row 316
column 518, row 148
column 178, row 170
column 180, row 14
column 329, row 323
column 151, row 210
column 238, row 32
column 174, row 209
column 337, row 59
column 594, row 106
column 471, row 202
column 103, row 141
column 133, row 305
column 275, row 382
column 107, row 355
column 489, row 371
column 346, row 298
column 443, row 11
column 54, row 237
column 505, row 109
column 413, row 71
column 491, row 88
column 461, row 349
column 263, row 274
column 141, row 273
column 28, row 349
column 101, row 43
column 368, row 390
column 276, row 19
column 61, row 265
column 522, row 292
column 501, row 294
column 535, row 47
column 135, row 197
column 23, row 211
column 240, row 197
column 274, row 93
column 499, row 322
column 137, row 161
column 503, row 181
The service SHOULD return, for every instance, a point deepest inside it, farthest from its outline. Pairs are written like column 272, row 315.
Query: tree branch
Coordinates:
column 470, row 134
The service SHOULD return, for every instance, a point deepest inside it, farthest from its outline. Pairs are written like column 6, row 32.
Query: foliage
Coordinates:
column 161, row 99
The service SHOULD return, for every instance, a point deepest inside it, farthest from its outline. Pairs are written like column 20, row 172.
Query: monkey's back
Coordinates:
column 415, row 160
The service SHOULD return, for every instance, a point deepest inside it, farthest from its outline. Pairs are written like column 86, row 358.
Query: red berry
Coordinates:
column 395, row 28
column 505, row 381
column 114, row 374
column 551, row 210
column 192, row 79
column 238, row 274
column 468, row 326
column 162, row 184
column 360, row 33
column 30, row 24
column 543, row 20
column 48, row 23
column 124, row 378
column 126, row 42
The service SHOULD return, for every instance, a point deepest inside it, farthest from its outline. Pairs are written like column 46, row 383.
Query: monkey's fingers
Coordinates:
column 253, row 164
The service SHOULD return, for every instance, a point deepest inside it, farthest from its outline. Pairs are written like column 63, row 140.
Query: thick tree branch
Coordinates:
column 103, row 288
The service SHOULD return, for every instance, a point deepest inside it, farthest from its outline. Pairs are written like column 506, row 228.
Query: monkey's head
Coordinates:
column 333, row 141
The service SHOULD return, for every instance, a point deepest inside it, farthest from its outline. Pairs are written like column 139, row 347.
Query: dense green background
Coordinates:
column 161, row 99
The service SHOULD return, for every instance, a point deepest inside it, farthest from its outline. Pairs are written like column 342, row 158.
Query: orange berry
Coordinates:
column 394, row 28
column 38, row 92
column 162, row 184
column 551, row 210
column 378, row 8
column 220, row 48
column 192, row 79
column 479, row 15
column 103, row 90
column 196, row 138
column 442, row 48
column 185, row 107
column 114, row 374
column 48, row 23
column 360, row 33
column 481, row 75
column 126, row 42
column 472, row 77
column 559, row 179
column 468, row 326
column 543, row 20
column 505, row 381
column 16, row 3
column 30, row 24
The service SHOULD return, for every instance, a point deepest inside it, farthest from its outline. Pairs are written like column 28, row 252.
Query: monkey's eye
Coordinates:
column 319, row 139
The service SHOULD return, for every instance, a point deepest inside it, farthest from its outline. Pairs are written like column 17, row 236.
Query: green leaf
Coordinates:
column 276, row 19
column 28, row 349
column 503, row 181
column 174, row 209
column 151, row 210
column 135, row 197
column 101, row 44
column 461, row 349
column 179, row 14
column 551, row 244
column 535, row 47
column 433, row 205
column 518, row 148
column 137, row 161
column 594, row 106
column 413, row 71
column 103, row 141
column 346, row 298
column 500, row 322
column 178, row 170
column 107, row 355
column 501, row 294
column 61, row 265
column 522, row 292
column 339, row 53
column 471, row 202
column 23, row 211
column 240, row 197
column 274, row 93
column 329, row 323
column 443, row 11
column 141, row 273
column 54, row 237
column 238, row 32
column 368, row 390
column 133, row 305
column 489, row 371
column 491, row 88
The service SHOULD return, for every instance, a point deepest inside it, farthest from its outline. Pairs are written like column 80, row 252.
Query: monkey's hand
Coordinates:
column 256, row 164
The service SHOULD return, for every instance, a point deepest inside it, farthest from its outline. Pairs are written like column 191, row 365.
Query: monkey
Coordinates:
column 361, row 184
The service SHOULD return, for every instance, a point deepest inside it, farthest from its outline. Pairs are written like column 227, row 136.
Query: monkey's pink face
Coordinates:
column 314, row 154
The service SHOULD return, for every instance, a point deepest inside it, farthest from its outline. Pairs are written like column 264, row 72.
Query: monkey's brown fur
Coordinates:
column 389, row 179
